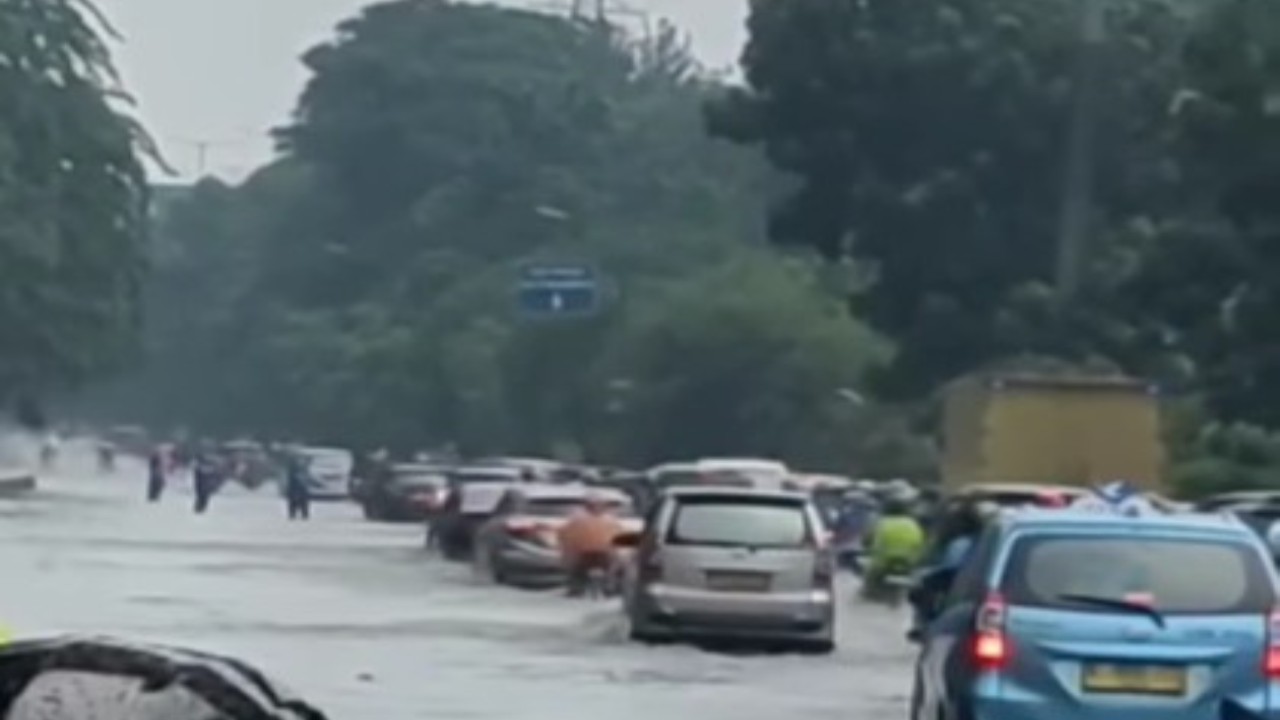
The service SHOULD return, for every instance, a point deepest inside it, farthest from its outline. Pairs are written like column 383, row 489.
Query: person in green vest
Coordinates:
column 897, row 541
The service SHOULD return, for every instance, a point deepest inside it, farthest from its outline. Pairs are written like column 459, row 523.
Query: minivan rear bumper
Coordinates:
column 677, row 611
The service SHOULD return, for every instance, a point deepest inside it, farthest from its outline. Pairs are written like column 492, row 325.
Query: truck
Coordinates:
column 1051, row 430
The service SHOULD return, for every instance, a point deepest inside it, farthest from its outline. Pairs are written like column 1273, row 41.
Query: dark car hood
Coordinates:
column 78, row 678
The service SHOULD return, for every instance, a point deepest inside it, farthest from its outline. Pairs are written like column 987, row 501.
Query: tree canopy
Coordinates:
column 932, row 143
column 72, row 202
column 915, row 165
column 361, row 288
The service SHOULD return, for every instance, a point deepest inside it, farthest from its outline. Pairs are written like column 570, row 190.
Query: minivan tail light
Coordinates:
column 990, row 647
column 824, row 560
column 823, row 569
column 1271, row 654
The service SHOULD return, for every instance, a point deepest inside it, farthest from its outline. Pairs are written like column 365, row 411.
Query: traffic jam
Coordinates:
column 739, row 581
column 1025, row 601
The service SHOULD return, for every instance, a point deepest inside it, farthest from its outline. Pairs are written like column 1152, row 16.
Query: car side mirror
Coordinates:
column 627, row 540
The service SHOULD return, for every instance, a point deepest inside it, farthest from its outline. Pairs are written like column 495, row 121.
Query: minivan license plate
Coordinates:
column 1134, row 679
column 738, row 581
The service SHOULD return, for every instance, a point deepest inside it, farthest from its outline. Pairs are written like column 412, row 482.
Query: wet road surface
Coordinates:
column 355, row 617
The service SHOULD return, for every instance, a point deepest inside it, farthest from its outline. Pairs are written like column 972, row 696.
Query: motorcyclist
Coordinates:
column 897, row 542
column 934, row 582
column 586, row 542
column 853, row 524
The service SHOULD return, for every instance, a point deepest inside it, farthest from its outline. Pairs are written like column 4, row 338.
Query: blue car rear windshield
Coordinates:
column 1175, row 575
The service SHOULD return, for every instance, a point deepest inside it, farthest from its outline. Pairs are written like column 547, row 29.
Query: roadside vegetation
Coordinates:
column 794, row 264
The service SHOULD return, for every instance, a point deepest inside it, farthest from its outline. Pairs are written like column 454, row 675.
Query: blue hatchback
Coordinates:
column 1065, row 615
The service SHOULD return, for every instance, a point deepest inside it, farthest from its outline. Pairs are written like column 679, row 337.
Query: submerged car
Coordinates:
column 519, row 544
column 409, row 493
column 729, row 563
column 1073, row 615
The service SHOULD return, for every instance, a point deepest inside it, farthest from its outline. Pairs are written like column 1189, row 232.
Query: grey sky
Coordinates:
column 222, row 72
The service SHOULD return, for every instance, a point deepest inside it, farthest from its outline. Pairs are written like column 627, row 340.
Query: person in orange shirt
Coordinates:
column 586, row 542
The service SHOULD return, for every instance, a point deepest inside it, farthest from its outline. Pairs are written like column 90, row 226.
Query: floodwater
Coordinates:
column 355, row 616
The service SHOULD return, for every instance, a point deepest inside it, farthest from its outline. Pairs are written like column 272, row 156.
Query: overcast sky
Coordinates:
column 222, row 72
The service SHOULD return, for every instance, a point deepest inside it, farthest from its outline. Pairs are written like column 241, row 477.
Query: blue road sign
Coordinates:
column 564, row 289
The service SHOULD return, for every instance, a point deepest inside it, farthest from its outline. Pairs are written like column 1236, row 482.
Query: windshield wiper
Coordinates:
column 1116, row 604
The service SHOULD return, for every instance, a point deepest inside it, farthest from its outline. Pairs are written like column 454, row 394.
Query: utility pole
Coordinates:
column 1078, row 176
column 204, row 146
column 202, row 157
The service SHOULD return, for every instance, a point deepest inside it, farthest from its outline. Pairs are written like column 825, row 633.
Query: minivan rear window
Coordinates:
column 1173, row 575
column 738, row 522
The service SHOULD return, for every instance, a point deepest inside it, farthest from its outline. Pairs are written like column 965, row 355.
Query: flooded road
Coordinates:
column 356, row 617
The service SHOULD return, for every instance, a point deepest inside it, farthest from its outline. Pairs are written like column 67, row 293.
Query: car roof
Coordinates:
column 1014, row 488
column 492, row 470
column 417, row 468
column 719, row 462
column 673, row 467
column 531, row 463
column 812, row 482
column 323, row 450
column 1223, row 501
column 729, row 493
column 1054, row 518
column 544, row 491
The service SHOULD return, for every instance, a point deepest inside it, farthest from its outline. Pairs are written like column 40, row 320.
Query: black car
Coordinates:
column 474, row 494
column 407, row 493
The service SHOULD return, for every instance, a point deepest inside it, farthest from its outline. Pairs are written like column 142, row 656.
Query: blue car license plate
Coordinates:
column 1116, row 678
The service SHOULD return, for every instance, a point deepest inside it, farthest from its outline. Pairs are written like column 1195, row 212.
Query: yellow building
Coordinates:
column 1067, row 430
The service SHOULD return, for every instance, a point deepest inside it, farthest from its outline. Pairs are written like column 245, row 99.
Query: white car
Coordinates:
column 328, row 472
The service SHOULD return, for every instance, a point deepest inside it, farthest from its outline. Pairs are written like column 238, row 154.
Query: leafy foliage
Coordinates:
column 360, row 289
column 927, row 139
column 72, row 201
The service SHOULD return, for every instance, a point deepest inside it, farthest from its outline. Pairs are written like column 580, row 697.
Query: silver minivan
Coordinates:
column 731, row 563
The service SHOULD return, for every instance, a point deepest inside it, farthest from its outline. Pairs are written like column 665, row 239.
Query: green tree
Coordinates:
column 747, row 358
column 926, row 139
column 1230, row 275
column 72, row 201
column 373, row 313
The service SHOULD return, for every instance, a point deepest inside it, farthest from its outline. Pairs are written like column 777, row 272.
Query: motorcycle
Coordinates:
column 601, row 584
column 849, row 556
column 889, row 587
